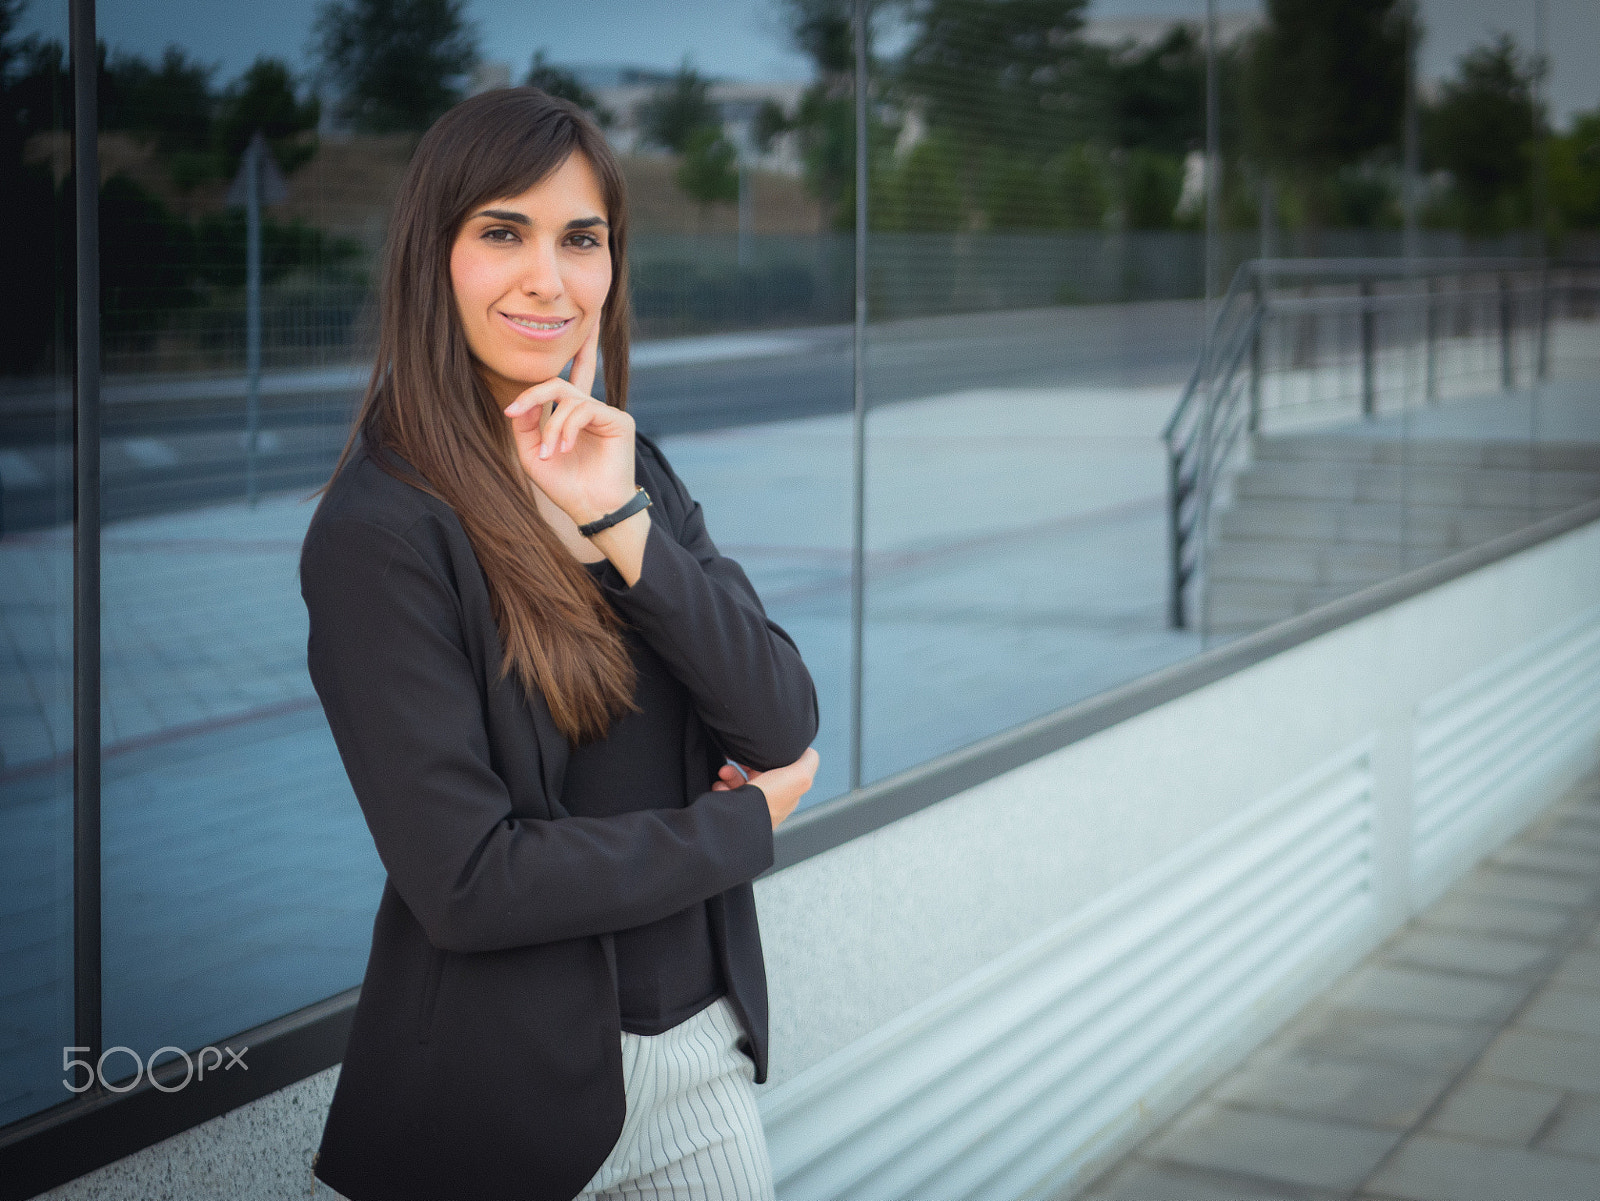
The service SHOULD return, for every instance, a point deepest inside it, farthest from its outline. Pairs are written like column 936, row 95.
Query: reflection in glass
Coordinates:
column 1039, row 207
column 243, row 216
column 1034, row 282
column 1399, row 387
column 35, row 563
column 238, row 241
column 1036, row 275
column 742, row 275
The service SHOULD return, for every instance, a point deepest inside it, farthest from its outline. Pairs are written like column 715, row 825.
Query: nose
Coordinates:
column 541, row 271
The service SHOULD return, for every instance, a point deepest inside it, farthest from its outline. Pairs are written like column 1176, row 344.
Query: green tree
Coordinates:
column 171, row 102
column 264, row 98
column 682, row 118
column 1154, row 96
column 1077, row 177
column 287, row 248
column 1012, row 82
column 1575, row 174
column 398, row 64
column 1007, row 75
column 825, row 119
column 922, row 192
column 826, row 122
column 1324, row 86
column 1151, row 184
column 709, row 168
column 1067, row 190
column 823, row 32
column 146, row 263
column 673, row 116
column 1014, row 194
column 770, row 121
column 34, row 91
column 563, row 84
column 1482, row 130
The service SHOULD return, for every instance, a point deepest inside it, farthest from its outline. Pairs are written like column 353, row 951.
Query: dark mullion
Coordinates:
column 860, row 15
column 86, row 541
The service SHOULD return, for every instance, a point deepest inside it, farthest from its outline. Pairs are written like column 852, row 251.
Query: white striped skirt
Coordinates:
column 692, row 1130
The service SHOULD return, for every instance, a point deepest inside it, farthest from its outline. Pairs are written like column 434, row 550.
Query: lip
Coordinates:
column 538, row 335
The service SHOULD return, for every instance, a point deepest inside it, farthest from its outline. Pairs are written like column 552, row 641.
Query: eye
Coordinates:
column 493, row 234
column 586, row 241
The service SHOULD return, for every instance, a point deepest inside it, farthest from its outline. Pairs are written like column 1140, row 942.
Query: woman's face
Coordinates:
column 530, row 274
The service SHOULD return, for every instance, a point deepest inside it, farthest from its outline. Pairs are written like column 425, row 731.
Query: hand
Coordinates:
column 782, row 786
column 578, row 450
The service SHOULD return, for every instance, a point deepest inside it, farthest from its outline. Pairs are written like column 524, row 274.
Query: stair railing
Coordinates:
column 1222, row 400
column 1202, row 431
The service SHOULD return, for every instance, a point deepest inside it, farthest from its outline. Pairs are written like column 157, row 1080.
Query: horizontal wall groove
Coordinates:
column 1042, row 1049
column 1483, row 744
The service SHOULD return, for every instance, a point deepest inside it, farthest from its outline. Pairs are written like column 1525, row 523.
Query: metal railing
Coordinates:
column 1342, row 340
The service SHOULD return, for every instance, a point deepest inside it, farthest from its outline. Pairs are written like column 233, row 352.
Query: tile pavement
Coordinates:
column 1459, row 1062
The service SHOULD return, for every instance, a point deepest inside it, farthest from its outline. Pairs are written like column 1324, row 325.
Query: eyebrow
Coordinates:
column 517, row 218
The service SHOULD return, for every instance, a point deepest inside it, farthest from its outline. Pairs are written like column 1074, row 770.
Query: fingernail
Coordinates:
column 544, row 451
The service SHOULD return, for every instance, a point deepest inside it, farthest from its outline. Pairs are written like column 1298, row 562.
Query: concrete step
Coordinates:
column 1310, row 564
column 1376, row 523
column 1317, row 516
column 1347, row 448
column 1415, row 484
column 1251, row 605
column 1238, row 606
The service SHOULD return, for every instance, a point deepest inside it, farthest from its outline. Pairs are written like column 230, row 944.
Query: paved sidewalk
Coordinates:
column 1459, row 1062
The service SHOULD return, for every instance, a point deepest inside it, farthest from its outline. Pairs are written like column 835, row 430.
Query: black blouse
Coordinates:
column 667, row 969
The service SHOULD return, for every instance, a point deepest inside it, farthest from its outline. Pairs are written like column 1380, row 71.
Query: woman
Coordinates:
column 536, row 666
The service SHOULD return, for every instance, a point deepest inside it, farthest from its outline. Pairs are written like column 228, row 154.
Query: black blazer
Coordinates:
column 484, row 1060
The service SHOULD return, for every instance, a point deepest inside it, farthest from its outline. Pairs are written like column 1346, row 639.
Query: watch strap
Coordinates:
column 639, row 500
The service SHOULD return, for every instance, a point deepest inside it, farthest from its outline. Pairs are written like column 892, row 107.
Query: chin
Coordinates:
column 525, row 370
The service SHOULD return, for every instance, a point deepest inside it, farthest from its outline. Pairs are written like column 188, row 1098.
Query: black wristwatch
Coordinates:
column 639, row 500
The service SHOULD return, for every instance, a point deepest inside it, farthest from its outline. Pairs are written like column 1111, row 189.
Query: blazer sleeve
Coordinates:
column 700, row 613
column 387, row 656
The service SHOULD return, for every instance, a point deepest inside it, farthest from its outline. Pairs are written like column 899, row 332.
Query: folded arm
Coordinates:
column 700, row 613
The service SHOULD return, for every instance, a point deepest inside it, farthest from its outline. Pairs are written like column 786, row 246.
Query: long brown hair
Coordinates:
column 427, row 402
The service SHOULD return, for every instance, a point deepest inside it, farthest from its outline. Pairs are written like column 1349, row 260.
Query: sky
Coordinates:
column 744, row 39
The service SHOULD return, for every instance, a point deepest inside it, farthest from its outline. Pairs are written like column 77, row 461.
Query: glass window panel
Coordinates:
column 742, row 281
column 1399, row 410
column 1041, row 283
column 239, row 879
column 1035, row 283
column 36, row 502
column 232, row 843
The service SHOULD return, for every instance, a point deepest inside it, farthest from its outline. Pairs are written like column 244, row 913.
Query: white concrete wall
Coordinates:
column 1058, row 914
column 869, row 945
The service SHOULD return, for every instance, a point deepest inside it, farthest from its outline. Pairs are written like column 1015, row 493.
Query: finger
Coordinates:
column 588, row 412
column 557, row 428
column 550, row 419
column 584, row 362
column 561, row 432
column 540, row 394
